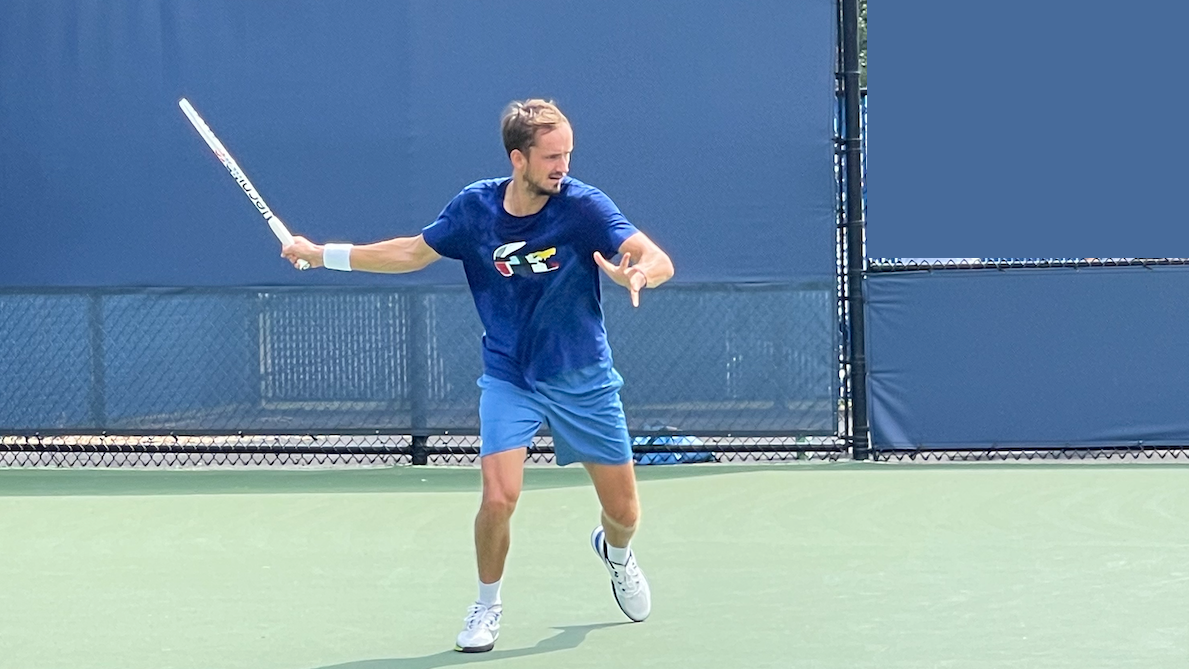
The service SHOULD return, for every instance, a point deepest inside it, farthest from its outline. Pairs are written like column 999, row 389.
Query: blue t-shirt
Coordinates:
column 534, row 278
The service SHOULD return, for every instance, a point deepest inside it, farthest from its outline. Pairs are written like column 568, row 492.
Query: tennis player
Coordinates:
column 532, row 246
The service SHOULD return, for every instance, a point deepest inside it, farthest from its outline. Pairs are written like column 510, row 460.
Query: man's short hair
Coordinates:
column 524, row 120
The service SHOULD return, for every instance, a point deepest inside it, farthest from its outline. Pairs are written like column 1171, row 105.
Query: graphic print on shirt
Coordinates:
column 537, row 262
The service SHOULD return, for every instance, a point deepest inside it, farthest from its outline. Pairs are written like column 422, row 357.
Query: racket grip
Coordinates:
column 282, row 233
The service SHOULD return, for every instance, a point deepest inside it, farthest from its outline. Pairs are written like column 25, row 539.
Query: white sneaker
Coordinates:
column 481, row 629
column 627, row 581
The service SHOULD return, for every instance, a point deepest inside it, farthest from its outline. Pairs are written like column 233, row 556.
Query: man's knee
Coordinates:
column 623, row 517
column 499, row 502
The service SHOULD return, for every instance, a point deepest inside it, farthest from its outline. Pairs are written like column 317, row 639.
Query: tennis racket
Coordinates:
column 278, row 228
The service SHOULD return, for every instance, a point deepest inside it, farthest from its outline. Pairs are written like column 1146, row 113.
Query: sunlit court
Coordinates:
column 814, row 565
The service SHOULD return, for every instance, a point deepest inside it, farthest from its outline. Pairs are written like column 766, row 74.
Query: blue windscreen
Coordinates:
column 147, row 294
column 709, row 123
column 1028, row 357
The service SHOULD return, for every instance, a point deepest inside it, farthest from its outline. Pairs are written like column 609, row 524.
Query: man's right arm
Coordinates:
column 392, row 256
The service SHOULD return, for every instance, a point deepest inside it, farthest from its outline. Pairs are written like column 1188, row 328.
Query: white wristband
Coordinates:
column 337, row 256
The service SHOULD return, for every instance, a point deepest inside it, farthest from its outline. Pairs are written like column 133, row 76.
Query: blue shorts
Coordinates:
column 581, row 408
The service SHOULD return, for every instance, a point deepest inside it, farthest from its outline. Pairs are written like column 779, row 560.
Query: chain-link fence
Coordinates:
column 370, row 376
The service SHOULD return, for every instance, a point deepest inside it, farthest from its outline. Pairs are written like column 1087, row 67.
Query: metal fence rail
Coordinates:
column 886, row 265
column 174, row 451
column 1114, row 454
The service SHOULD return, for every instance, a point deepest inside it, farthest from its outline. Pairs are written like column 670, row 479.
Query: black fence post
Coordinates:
column 98, row 394
column 420, row 449
column 855, row 229
column 418, row 374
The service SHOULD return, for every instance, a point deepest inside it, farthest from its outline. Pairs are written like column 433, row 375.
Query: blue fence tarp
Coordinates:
column 1028, row 357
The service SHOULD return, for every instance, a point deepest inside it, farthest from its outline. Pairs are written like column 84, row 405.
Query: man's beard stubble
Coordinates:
column 538, row 189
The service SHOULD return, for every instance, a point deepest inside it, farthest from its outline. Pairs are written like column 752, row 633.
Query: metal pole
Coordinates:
column 98, row 392
column 418, row 374
column 855, row 228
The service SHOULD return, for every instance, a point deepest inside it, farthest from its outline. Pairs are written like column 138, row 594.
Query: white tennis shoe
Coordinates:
column 480, row 630
column 627, row 581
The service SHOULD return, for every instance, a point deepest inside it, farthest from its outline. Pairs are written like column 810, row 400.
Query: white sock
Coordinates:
column 618, row 555
column 489, row 593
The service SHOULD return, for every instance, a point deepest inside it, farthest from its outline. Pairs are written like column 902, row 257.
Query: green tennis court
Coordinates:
column 823, row 565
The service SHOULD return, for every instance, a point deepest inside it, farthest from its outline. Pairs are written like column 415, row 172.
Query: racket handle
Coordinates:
column 282, row 233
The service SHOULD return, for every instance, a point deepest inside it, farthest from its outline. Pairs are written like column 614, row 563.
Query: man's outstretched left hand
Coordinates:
column 625, row 274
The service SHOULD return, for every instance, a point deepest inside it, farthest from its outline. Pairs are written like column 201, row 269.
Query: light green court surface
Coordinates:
column 822, row 566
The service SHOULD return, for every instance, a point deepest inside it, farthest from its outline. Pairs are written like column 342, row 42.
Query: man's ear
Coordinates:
column 519, row 160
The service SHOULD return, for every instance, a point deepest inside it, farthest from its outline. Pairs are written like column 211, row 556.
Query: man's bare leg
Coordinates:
column 503, row 477
column 616, row 488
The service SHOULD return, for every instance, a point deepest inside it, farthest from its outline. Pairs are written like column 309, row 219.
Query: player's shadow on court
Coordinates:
column 568, row 638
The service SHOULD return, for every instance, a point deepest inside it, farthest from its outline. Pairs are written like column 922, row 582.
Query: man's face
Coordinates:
column 548, row 160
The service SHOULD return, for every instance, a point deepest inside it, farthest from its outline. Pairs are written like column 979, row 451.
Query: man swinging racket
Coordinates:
column 532, row 245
